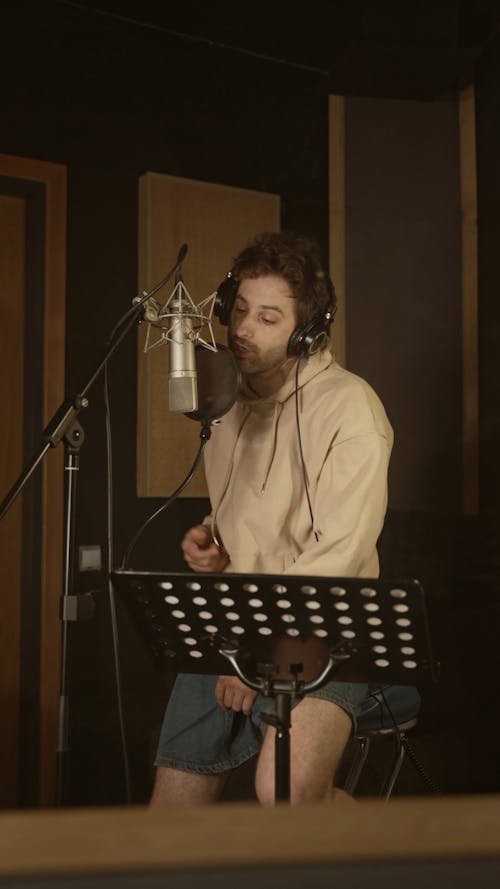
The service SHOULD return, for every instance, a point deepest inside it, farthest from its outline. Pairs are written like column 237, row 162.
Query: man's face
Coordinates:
column 261, row 322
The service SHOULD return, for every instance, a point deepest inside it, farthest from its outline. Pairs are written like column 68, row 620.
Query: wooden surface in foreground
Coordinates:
column 136, row 839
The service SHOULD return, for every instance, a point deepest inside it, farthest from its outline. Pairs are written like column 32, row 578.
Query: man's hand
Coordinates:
column 200, row 551
column 232, row 694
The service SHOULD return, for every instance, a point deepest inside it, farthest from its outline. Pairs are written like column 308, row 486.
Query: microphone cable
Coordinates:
column 301, row 452
column 408, row 747
column 111, row 591
column 205, row 434
column 115, row 337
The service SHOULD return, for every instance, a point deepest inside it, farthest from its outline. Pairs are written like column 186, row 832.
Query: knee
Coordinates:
column 302, row 789
column 309, row 789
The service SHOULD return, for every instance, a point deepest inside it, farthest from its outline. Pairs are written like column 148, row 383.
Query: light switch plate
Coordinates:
column 89, row 558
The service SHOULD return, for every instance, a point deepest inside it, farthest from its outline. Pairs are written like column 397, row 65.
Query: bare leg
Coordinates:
column 319, row 734
column 176, row 788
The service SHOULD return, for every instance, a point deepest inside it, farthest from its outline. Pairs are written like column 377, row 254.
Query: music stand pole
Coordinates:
column 284, row 692
column 283, row 719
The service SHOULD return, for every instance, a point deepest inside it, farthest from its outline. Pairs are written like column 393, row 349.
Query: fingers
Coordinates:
column 231, row 694
column 200, row 551
column 197, row 538
column 200, row 535
column 210, row 560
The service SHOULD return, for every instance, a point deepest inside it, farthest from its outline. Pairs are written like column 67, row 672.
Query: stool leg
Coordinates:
column 363, row 746
column 397, row 762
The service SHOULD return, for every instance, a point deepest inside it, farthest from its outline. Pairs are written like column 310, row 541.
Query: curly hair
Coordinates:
column 294, row 258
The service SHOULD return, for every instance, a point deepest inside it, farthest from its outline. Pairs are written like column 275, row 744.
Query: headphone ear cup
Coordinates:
column 224, row 299
column 305, row 341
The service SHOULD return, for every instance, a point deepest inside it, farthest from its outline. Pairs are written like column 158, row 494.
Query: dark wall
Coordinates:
column 403, row 313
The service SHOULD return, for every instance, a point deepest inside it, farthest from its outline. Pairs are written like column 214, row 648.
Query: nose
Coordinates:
column 243, row 327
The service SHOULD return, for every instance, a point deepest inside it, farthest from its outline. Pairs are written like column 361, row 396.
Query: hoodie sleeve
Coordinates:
column 349, row 506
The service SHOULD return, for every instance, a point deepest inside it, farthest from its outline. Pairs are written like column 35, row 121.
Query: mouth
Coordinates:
column 239, row 350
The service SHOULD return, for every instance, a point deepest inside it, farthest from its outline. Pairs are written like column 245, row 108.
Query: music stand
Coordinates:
column 284, row 636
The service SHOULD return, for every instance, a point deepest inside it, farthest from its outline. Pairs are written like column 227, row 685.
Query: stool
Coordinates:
column 363, row 739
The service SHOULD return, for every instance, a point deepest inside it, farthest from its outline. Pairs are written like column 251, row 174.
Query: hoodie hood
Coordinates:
column 307, row 370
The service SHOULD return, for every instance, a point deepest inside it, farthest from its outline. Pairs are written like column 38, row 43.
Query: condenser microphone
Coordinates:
column 178, row 324
column 182, row 389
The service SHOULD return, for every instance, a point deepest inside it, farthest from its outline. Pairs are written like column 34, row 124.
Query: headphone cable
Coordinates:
column 301, row 452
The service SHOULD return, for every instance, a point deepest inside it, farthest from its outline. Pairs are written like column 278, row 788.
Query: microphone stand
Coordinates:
column 64, row 424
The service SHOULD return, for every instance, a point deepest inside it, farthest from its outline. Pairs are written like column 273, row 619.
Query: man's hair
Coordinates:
column 297, row 260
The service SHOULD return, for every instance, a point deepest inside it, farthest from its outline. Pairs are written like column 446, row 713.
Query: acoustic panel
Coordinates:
column 215, row 221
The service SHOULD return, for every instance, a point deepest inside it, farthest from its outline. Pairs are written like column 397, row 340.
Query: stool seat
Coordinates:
column 389, row 730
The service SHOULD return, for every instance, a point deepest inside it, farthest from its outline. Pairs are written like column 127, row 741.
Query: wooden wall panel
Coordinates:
column 216, row 221
column 12, row 258
column 336, row 184
column 470, row 357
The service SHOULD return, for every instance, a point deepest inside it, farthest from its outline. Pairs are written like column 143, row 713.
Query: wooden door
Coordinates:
column 32, row 342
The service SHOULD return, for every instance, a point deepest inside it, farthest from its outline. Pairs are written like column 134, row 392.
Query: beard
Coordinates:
column 258, row 361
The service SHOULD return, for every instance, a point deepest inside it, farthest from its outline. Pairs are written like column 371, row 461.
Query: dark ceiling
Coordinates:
column 395, row 48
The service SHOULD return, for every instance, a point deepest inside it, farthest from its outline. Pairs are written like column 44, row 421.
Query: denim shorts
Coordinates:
column 199, row 736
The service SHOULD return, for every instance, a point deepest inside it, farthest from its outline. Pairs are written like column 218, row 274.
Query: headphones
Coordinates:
column 304, row 341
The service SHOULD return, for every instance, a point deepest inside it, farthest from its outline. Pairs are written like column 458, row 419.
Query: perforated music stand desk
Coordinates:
column 283, row 635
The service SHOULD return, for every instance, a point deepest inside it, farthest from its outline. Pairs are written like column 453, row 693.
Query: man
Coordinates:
column 297, row 477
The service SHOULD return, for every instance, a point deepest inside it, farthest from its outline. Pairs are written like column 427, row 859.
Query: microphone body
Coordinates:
column 182, row 387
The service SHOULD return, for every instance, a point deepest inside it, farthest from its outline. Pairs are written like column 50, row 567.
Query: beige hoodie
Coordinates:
column 256, row 482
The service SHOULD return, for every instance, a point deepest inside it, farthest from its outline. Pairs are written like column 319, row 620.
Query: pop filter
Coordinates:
column 218, row 381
